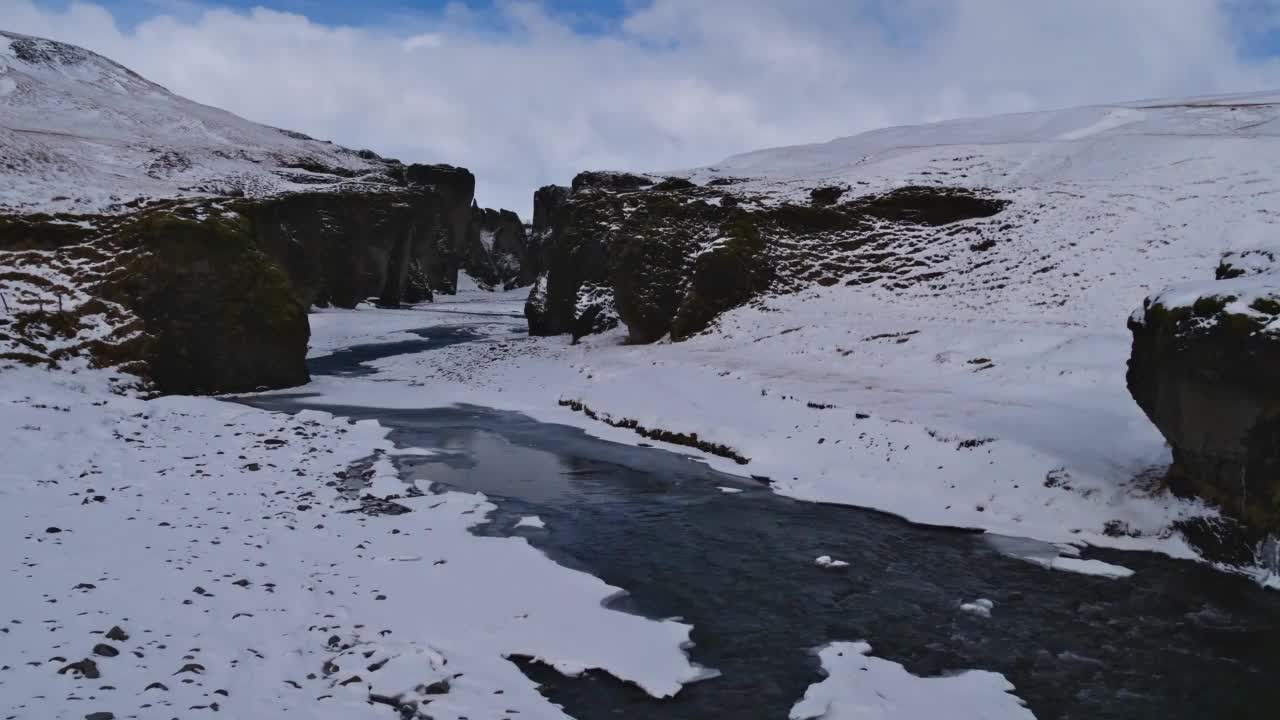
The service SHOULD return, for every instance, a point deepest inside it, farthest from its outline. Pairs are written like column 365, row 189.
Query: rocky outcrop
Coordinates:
column 211, row 296
column 547, row 203
column 219, row 315
column 665, row 256
column 394, row 244
column 496, row 253
column 179, row 296
column 1205, row 367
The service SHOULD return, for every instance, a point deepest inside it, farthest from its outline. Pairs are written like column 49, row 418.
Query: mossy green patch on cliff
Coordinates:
column 219, row 315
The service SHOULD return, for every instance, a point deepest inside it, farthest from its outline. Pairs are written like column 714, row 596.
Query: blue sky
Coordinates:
column 589, row 16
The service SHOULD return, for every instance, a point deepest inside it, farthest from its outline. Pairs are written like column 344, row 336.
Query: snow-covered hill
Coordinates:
column 82, row 134
column 1108, row 202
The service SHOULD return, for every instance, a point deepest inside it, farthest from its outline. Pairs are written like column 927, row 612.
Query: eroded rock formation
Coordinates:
column 665, row 256
column 1205, row 367
column 496, row 253
column 396, row 244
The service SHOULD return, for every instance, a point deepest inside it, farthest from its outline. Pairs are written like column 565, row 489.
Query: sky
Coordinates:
column 526, row 93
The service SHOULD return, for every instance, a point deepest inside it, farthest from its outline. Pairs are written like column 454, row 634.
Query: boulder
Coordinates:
column 1205, row 368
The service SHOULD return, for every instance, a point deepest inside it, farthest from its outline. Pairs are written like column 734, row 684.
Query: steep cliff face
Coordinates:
column 497, row 250
column 1205, row 367
column 395, row 245
column 177, row 295
column 668, row 256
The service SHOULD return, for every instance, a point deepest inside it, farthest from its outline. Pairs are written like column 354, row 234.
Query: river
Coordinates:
column 1177, row 640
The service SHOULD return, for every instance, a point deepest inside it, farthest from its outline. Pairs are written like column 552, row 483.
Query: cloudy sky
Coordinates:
column 528, row 93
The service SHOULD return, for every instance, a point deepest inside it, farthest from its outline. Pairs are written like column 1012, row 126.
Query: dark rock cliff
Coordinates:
column 393, row 244
column 174, row 294
column 665, row 256
column 219, row 315
column 496, row 253
column 1205, row 367
column 211, row 296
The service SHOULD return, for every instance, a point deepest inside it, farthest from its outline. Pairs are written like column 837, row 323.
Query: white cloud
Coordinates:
column 523, row 100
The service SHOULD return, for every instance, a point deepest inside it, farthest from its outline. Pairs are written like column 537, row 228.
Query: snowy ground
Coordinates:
column 211, row 535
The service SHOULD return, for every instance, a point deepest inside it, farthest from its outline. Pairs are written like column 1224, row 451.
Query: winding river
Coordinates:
column 1177, row 640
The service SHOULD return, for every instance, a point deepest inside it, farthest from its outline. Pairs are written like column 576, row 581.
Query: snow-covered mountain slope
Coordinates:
column 80, row 133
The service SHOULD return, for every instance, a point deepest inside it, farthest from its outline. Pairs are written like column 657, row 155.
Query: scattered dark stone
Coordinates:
column 105, row 650
column 686, row 440
column 195, row 668
column 53, row 530
column 85, row 668
column 351, row 680
column 241, row 582
column 156, row 686
column 440, row 687
column 370, row 505
column 100, row 716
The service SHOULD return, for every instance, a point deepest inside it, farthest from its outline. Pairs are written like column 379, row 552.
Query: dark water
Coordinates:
column 351, row 362
column 1177, row 640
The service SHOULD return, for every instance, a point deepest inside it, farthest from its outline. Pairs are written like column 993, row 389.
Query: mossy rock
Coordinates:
column 219, row 314
column 1210, row 381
